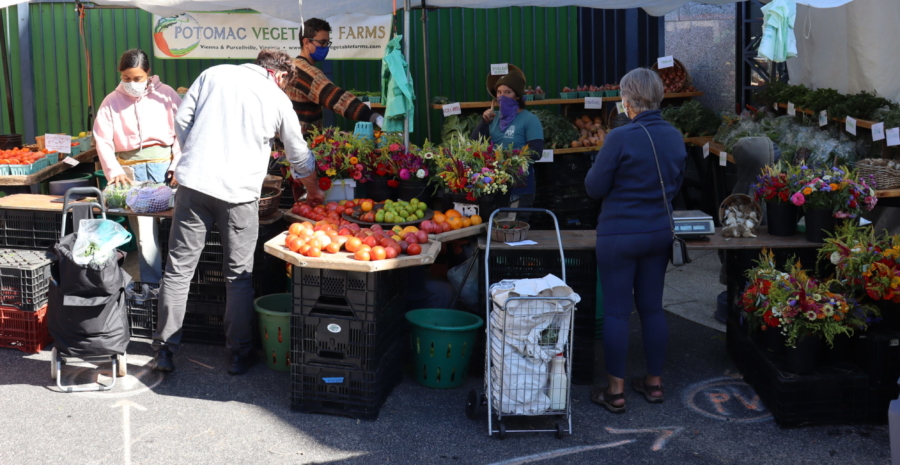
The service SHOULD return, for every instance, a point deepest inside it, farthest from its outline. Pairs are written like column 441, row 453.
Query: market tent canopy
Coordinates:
column 851, row 48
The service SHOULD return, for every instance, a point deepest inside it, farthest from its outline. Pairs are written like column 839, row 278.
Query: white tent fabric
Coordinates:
column 850, row 48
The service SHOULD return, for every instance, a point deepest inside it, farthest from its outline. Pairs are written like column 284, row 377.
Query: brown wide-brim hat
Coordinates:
column 515, row 80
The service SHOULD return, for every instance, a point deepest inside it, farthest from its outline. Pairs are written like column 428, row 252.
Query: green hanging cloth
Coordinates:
column 397, row 88
column 778, row 41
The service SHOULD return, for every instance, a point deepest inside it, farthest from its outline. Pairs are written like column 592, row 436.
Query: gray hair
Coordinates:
column 643, row 89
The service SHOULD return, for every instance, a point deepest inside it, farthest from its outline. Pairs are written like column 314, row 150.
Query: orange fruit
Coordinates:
column 366, row 206
column 455, row 223
column 476, row 220
column 353, row 244
column 466, row 222
column 451, row 213
column 378, row 253
column 438, row 217
column 295, row 229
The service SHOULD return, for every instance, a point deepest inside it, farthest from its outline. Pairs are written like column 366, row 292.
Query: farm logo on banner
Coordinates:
column 243, row 34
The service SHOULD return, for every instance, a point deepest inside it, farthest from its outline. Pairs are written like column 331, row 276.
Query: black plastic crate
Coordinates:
column 213, row 251
column 833, row 394
column 566, row 169
column 877, row 352
column 29, row 229
column 142, row 306
column 345, row 341
column 566, row 198
column 204, row 323
column 583, row 362
column 358, row 294
column 333, row 390
column 25, row 278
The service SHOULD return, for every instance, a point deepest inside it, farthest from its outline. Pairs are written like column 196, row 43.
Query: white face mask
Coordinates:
column 135, row 89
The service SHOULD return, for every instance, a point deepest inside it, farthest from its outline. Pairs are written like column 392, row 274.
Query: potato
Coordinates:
column 586, row 118
column 579, row 124
column 576, row 144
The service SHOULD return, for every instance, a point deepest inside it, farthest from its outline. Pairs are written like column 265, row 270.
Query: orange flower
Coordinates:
column 834, row 187
column 807, row 191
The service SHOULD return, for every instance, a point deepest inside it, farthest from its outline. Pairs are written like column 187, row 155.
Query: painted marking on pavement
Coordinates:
column 664, row 432
column 561, row 453
column 140, row 379
column 126, row 405
column 726, row 399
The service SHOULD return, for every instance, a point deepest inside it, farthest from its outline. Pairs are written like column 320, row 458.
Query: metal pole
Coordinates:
column 406, row 10
column 427, row 84
column 7, row 78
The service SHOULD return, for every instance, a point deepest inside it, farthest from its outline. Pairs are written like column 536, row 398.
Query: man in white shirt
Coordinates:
column 226, row 124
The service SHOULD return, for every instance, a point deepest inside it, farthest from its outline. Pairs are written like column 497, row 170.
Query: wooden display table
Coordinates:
column 442, row 237
column 47, row 172
column 344, row 260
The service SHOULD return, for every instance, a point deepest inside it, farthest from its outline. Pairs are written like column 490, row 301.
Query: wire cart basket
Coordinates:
column 528, row 367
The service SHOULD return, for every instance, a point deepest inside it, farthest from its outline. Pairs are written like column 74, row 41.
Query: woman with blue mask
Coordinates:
column 514, row 126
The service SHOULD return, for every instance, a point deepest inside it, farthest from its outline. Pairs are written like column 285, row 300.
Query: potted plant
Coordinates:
column 775, row 186
column 338, row 162
column 830, row 194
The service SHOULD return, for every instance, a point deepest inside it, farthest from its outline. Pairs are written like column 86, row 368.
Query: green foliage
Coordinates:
column 558, row 131
column 862, row 106
column 693, row 119
column 458, row 126
column 821, row 99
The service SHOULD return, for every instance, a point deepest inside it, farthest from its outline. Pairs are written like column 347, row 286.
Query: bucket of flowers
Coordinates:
column 338, row 163
column 828, row 195
column 774, row 186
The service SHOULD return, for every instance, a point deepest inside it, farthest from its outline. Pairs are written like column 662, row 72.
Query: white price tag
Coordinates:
column 499, row 69
column 823, row 118
column 706, row 150
column 877, row 132
column 593, row 103
column 452, row 109
column 59, row 142
column 893, row 137
column 620, row 107
column 546, row 156
column 851, row 125
column 723, row 159
column 665, row 62
column 70, row 161
column 791, row 109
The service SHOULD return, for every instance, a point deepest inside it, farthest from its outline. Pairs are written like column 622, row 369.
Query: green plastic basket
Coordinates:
column 274, row 312
column 442, row 343
column 101, row 179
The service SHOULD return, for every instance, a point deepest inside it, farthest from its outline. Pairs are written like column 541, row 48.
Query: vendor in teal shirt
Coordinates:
column 515, row 126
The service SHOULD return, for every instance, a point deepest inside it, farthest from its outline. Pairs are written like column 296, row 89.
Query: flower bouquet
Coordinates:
column 338, row 156
column 829, row 194
column 774, row 186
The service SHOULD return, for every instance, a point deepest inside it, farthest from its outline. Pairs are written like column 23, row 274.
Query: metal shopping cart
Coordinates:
column 86, row 313
column 528, row 364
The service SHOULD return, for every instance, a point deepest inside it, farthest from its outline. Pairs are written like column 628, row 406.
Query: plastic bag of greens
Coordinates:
column 97, row 239
column 115, row 195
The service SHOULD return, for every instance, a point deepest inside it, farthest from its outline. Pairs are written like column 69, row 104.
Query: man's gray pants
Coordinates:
column 195, row 214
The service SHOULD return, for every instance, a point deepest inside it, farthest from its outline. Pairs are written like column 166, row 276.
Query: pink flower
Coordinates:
column 394, row 147
column 404, row 174
column 357, row 175
column 798, row 199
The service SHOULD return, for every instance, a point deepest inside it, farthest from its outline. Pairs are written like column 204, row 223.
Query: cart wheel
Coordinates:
column 472, row 405
column 559, row 431
column 502, row 433
column 53, row 358
column 483, row 400
column 122, row 365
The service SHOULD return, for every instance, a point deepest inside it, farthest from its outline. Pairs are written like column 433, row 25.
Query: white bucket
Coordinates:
column 341, row 189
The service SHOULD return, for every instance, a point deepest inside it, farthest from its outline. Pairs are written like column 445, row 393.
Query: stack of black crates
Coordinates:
column 347, row 340
column 560, row 189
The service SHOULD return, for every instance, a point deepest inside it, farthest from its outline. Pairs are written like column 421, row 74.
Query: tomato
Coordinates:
column 295, row 229
column 294, row 243
column 314, row 252
column 367, row 206
column 378, row 253
column 370, row 241
column 414, row 249
column 287, row 240
column 362, row 255
column 353, row 244
column 392, row 251
column 334, row 247
column 303, row 249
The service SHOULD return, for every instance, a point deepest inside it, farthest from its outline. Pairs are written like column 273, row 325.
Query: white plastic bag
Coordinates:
column 519, row 383
column 97, row 239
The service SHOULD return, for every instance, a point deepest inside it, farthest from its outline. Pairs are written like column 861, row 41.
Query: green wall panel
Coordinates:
column 10, row 22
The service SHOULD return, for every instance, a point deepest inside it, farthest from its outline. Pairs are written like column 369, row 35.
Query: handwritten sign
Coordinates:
column 706, row 150
column 70, row 161
column 593, row 103
column 665, row 62
column 723, row 158
column 893, row 137
column 823, row 118
column 792, row 110
column 452, row 109
column 546, row 156
column 620, row 107
column 499, row 69
column 877, row 132
column 59, row 142
column 850, row 125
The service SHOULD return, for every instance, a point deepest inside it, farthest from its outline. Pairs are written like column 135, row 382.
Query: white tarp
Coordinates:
column 850, row 48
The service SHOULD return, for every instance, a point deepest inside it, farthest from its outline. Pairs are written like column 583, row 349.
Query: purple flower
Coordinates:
column 404, row 174
column 798, row 199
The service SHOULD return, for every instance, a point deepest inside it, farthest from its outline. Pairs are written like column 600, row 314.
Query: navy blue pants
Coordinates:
column 633, row 272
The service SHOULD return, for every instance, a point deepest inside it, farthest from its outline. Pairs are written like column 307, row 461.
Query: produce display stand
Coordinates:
column 859, row 123
column 571, row 101
column 47, row 172
column 344, row 261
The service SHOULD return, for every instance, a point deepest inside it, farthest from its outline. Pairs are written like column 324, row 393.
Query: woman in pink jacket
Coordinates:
column 135, row 128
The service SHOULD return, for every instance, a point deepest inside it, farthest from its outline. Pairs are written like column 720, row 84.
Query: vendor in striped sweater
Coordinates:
column 312, row 90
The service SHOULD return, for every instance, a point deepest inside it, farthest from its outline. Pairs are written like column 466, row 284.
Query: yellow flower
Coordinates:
column 331, row 172
column 895, row 282
column 807, row 190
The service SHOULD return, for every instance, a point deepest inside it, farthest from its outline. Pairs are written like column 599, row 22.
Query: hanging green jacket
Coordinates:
column 778, row 42
column 397, row 88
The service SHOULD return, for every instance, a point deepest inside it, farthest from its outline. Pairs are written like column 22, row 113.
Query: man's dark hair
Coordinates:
column 134, row 58
column 312, row 26
column 276, row 60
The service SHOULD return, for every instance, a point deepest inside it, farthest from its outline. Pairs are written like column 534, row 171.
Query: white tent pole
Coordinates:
column 406, row 54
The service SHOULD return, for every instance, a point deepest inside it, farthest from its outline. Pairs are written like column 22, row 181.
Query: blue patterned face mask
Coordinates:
column 509, row 108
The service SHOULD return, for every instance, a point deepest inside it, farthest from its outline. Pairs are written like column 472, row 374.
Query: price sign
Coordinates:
column 851, row 125
column 499, row 69
column 893, row 137
column 877, row 132
column 723, row 159
column 665, row 62
column 59, row 142
column 706, row 150
column 823, row 118
column 452, row 109
column 621, row 107
column 70, row 161
column 791, row 110
column 593, row 103
column 546, row 156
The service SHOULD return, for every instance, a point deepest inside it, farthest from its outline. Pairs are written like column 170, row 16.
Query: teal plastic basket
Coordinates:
column 364, row 130
column 375, row 99
column 568, row 95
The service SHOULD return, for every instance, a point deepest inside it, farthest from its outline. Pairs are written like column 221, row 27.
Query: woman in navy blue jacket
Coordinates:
column 634, row 237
